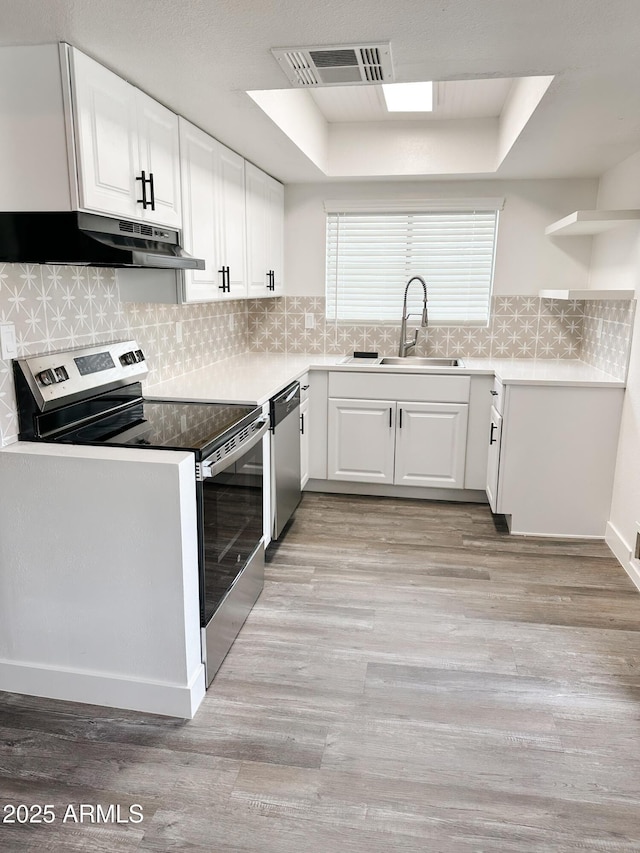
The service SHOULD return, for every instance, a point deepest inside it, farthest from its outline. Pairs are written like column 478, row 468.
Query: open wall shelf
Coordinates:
column 586, row 294
column 582, row 222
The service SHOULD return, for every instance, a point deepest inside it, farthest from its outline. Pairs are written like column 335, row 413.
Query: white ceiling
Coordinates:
column 452, row 99
column 201, row 56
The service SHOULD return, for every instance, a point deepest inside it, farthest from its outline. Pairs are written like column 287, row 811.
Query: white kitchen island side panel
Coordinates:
column 99, row 597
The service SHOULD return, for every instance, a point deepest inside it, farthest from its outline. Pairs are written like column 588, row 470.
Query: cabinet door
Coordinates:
column 275, row 233
column 199, row 158
column 361, row 440
column 159, row 157
column 431, row 444
column 493, row 461
column 106, row 138
column 256, row 196
column 231, row 220
column 304, row 443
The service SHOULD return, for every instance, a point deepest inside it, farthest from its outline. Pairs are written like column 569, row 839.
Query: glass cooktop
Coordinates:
column 200, row 427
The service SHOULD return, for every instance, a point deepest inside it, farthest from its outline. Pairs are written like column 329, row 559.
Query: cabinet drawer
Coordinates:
column 400, row 386
column 497, row 396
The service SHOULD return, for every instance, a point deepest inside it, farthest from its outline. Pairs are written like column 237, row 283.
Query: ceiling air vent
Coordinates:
column 337, row 65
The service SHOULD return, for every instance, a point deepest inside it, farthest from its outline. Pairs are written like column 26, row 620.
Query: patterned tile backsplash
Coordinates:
column 63, row 306
column 60, row 307
column 607, row 328
column 520, row 327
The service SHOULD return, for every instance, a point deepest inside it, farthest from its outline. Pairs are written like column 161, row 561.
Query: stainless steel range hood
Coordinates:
column 91, row 240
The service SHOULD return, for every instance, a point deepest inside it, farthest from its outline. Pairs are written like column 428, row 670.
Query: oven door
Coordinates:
column 230, row 497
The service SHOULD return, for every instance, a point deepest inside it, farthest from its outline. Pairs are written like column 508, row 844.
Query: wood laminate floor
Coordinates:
column 412, row 679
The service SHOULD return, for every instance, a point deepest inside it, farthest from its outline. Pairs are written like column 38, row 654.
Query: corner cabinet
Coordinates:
column 88, row 139
column 214, row 216
column 551, row 457
column 126, row 144
column 265, row 233
column 374, row 437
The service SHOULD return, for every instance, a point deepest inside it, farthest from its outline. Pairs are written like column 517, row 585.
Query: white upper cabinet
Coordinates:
column 198, row 167
column 78, row 137
column 127, row 146
column 159, row 158
column 231, row 220
column 213, row 216
column 265, row 230
column 106, row 135
column 275, row 233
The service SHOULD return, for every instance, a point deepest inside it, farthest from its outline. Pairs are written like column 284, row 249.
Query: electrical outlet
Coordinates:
column 179, row 332
column 8, row 341
column 309, row 321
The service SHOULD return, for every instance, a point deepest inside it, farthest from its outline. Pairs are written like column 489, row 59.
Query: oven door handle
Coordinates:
column 207, row 469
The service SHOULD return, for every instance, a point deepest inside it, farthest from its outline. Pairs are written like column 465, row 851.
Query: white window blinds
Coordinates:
column 371, row 255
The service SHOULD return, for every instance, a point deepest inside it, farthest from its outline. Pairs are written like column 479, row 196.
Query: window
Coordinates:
column 371, row 255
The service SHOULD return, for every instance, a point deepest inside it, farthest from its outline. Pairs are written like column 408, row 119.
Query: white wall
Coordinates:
column 616, row 264
column 413, row 147
column 526, row 260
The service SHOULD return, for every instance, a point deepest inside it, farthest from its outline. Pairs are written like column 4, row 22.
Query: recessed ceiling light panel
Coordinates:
column 408, row 97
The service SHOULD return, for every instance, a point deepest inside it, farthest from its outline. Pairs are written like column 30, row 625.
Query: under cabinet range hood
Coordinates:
column 88, row 239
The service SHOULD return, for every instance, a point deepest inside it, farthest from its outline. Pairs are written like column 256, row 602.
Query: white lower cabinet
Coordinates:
column 397, row 442
column 397, row 429
column 551, row 457
column 430, row 444
column 304, row 443
column 305, row 430
column 493, row 460
column 361, row 440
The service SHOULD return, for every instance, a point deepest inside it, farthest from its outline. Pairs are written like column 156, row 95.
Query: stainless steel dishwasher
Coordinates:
column 285, row 455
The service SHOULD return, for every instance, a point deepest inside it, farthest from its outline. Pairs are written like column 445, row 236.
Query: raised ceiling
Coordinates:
column 452, row 99
column 201, row 57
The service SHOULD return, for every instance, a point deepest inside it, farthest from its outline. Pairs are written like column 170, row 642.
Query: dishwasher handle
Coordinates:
column 284, row 403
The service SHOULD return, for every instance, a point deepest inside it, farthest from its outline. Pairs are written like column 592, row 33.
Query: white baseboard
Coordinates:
column 623, row 552
column 556, row 534
column 172, row 700
column 341, row 487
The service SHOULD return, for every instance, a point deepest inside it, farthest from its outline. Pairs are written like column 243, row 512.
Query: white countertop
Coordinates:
column 250, row 378
column 255, row 377
column 544, row 371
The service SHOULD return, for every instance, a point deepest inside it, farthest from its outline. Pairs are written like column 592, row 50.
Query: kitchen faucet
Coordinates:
column 404, row 343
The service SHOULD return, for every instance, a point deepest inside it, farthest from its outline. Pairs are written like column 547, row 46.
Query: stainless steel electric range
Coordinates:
column 93, row 396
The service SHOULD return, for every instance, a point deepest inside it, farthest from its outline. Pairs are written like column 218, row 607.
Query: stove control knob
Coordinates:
column 61, row 374
column 46, row 377
column 139, row 355
column 128, row 358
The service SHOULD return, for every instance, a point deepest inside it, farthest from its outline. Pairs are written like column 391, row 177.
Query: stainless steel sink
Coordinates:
column 415, row 361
